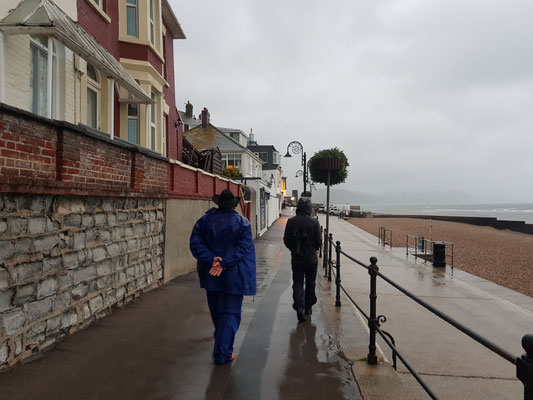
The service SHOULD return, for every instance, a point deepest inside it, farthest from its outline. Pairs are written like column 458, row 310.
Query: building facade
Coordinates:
column 104, row 64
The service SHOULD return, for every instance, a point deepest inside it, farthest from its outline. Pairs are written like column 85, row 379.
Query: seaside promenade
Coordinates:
column 453, row 365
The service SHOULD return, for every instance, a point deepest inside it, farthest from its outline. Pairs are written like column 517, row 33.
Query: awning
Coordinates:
column 44, row 17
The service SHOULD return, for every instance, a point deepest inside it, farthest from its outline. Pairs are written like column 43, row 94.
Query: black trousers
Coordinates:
column 303, row 275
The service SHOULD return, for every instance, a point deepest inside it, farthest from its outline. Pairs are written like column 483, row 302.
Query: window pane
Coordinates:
column 38, row 78
column 97, row 2
column 91, row 73
column 152, row 145
column 134, row 2
column 152, row 34
column 92, row 101
column 133, row 131
column 133, row 110
column 131, row 20
column 152, row 10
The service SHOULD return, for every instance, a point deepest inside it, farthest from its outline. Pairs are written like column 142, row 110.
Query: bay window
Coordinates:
column 93, row 97
column 133, row 123
column 39, row 46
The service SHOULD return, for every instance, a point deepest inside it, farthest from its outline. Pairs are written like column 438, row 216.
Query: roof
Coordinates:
column 266, row 148
column 45, row 17
column 172, row 23
column 192, row 122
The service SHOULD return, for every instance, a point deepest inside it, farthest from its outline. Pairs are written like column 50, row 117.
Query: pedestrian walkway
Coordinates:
column 453, row 365
column 160, row 347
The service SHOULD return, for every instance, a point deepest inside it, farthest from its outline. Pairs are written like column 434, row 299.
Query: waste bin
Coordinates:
column 439, row 254
column 421, row 243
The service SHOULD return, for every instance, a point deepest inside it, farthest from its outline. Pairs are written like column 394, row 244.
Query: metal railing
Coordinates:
column 383, row 235
column 423, row 248
column 524, row 364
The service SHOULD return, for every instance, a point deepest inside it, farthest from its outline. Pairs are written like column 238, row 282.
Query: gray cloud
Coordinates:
column 421, row 95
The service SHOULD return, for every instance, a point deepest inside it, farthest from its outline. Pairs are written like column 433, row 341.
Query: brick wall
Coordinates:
column 82, row 223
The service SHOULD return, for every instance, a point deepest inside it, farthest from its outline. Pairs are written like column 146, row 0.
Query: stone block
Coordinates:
column 113, row 250
column 45, row 244
column 118, row 233
column 52, row 226
column 96, row 304
column 25, row 294
column 52, row 264
column 80, row 291
column 133, row 257
column 139, row 229
column 3, row 226
column 23, row 245
column 99, row 219
column 11, row 321
column 103, row 268
column 69, row 319
column 79, row 241
column 69, row 205
column 4, row 352
column 105, row 236
column 110, row 297
column 99, row 254
column 120, row 293
column 111, row 219
column 61, row 301
column 17, row 226
column 8, row 204
column 6, row 300
column 122, row 279
column 93, row 203
column 18, row 345
column 64, row 281
column 4, row 279
column 129, row 231
column 39, row 308
column 53, row 325
column 71, row 260
column 122, row 216
column 83, row 274
column 131, row 203
column 132, row 244
column 87, row 221
column 41, row 204
column 91, row 235
column 25, row 271
column 86, row 311
column 130, row 272
column 7, row 249
column 47, row 287
column 72, row 220
column 37, row 225
column 107, row 204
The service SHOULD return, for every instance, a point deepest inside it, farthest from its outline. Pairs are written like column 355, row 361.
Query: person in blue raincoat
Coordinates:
column 222, row 243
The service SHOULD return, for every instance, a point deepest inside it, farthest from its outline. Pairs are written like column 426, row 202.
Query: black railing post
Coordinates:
column 524, row 367
column 338, row 277
column 325, row 244
column 330, row 250
column 321, row 244
column 372, row 321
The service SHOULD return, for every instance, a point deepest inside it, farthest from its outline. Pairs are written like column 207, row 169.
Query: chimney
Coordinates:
column 188, row 110
column 205, row 118
column 251, row 137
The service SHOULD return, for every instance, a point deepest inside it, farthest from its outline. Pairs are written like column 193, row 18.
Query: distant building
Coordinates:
column 107, row 65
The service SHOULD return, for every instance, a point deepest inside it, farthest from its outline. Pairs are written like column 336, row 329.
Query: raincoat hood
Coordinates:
column 304, row 206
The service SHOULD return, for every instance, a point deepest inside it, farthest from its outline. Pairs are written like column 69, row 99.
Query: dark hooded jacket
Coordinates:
column 302, row 233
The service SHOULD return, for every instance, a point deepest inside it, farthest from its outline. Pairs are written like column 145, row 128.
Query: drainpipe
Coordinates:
column 111, row 83
column 49, row 77
column 2, row 72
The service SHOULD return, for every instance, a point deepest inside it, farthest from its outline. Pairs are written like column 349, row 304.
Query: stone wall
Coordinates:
column 66, row 261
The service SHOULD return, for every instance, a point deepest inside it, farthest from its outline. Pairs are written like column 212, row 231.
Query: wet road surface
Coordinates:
column 160, row 348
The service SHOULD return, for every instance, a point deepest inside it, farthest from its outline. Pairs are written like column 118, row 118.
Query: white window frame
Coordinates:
column 95, row 87
column 164, row 135
column 134, row 118
column 235, row 158
column 98, row 3
column 151, row 27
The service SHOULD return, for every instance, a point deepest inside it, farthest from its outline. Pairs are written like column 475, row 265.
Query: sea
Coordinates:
column 510, row 212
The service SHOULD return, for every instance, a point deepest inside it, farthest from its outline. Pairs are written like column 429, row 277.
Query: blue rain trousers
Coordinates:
column 226, row 315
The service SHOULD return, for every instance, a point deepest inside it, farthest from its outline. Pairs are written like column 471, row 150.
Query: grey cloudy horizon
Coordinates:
column 421, row 95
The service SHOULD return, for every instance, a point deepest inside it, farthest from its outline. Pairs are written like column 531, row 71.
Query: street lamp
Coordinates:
column 296, row 147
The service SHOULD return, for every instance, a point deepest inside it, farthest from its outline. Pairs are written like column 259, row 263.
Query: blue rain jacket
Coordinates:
column 226, row 234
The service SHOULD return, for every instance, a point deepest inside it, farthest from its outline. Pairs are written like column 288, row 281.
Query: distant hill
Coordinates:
column 345, row 196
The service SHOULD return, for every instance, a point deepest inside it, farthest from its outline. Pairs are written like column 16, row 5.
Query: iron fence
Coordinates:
column 524, row 363
column 383, row 235
column 423, row 248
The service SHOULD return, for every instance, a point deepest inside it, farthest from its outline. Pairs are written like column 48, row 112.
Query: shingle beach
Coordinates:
column 500, row 256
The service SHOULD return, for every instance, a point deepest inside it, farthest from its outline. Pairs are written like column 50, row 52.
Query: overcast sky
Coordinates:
column 422, row 95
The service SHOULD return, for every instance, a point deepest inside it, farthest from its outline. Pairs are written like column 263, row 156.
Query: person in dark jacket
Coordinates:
column 302, row 237
column 222, row 243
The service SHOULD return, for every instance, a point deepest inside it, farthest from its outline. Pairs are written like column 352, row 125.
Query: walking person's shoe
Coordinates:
column 300, row 314
column 308, row 311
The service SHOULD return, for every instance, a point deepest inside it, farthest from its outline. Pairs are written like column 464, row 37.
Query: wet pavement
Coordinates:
column 453, row 365
column 160, row 347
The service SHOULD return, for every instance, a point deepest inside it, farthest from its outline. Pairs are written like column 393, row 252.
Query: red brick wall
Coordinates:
column 41, row 156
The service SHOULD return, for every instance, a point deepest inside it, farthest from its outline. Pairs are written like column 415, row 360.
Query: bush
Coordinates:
column 232, row 173
column 319, row 174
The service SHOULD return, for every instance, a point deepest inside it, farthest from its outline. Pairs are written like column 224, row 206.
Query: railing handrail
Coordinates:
column 524, row 364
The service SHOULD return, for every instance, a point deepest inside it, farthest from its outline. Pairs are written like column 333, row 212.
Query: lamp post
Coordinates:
column 296, row 147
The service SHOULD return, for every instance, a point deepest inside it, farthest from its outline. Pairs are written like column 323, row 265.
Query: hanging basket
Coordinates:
column 329, row 164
